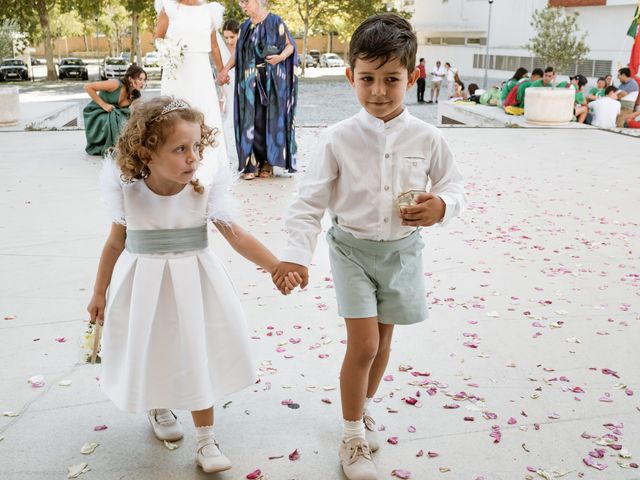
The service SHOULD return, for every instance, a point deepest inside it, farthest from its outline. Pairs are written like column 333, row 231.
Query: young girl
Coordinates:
column 175, row 334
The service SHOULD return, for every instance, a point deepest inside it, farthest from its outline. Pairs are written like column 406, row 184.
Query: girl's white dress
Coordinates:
column 175, row 335
column 191, row 26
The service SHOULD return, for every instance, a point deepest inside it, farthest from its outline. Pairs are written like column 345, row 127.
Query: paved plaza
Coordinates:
column 527, row 367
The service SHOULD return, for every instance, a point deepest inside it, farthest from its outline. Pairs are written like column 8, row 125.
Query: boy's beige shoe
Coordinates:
column 356, row 460
column 165, row 424
column 370, row 432
column 210, row 458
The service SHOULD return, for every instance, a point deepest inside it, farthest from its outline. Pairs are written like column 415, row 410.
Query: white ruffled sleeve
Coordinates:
column 222, row 206
column 217, row 15
column 111, row 189
column 158, row 5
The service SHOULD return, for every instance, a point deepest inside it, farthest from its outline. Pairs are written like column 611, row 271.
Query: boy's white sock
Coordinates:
column 352, row 430
column 202, row 433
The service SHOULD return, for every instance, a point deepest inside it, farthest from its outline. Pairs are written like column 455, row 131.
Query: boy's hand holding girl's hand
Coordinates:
column 286, row 276
column 428, row 210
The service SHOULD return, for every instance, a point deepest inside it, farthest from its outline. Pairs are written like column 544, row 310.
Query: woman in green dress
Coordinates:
column 108, row 110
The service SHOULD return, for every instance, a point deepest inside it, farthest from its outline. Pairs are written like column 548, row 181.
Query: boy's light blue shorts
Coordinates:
column 378, row 279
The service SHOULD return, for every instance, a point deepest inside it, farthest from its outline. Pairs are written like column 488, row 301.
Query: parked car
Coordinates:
column 13, row 69
column 112, row 67
column 316, row 55
column 150, row 60
column 72, row 68
column 331, row 60
column 310, row 61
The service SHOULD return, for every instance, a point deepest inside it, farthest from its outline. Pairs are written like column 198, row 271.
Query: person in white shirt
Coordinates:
column 437, row 74
column 363, row 166
column 450, row 74
column 604, row 111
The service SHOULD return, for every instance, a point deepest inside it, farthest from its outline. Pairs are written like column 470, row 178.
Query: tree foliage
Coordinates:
column 557, row 41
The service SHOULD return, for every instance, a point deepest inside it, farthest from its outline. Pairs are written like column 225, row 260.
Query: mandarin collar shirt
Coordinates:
column 362, row 165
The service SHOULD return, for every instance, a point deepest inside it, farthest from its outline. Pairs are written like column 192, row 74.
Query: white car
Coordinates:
column 150, row 60
column 331, row 60
column 113, row 67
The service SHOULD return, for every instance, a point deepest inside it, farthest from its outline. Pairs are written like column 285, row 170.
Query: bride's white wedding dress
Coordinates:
column 193, row 81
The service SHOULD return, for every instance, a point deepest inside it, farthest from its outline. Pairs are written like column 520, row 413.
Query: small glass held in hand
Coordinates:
column 407, row 199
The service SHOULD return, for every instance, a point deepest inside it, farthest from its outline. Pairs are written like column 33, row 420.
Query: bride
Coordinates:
column 194, row 24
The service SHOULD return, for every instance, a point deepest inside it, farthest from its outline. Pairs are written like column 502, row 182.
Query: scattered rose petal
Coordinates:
column 60, row 339
column 388, row 378
column 411, row 429
column 293, row 456
column 98, row 428
column 89, row 448
column 76, row 470
column 400, row 473
column 254, row 475
column 171, row 445
column 392, row 440
column 592, row 462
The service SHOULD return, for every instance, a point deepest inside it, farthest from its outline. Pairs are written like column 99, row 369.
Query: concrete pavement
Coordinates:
column 534, row 316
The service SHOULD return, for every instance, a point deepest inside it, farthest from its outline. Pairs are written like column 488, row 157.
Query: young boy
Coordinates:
column 363, row 165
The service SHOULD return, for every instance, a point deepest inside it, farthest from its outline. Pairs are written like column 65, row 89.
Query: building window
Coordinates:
column 453, row 41
column 476, row 41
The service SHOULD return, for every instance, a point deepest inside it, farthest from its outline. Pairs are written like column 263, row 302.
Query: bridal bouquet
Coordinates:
column 170, row 54
column 87, row 342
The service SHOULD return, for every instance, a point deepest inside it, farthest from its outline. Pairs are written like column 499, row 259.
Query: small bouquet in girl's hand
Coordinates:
column 170, row 54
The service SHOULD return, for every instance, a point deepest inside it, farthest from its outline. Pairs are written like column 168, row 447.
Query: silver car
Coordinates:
column 331, row 60
column 112, row 67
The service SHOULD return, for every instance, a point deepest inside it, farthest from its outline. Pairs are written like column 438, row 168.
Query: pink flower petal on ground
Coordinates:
column 295, row 340
column 326, row 400
column 432, row 454
column 597, row 453
column 60, row 339
column 97, row 428
column 489, row 415
column 591, row 462
column 254, row 475
column 322, row 306
column 323, row 355
column 496, row 434
column 420, row 453
column 411, row 429
column 629, row 392
column 288, row 401
column 469, row 419
column 410, row 400
column 421, row 374
column 388, row 378
column 400, row 473
column 512, row 421
column 293, row 456
column 451, row 406
column 577, row 390
column 280, row 350
column 392, row 440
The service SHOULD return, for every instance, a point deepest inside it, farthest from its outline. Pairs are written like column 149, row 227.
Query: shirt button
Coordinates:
column 386, row 155
column 386, row 220
column 386, row 188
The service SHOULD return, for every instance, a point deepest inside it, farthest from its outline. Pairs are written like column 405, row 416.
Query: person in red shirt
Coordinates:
column 422, row 80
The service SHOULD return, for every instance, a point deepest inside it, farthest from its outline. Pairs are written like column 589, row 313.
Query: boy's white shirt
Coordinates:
column 362, row 165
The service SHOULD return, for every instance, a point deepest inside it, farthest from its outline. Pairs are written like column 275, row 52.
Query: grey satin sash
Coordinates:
column 174, row 240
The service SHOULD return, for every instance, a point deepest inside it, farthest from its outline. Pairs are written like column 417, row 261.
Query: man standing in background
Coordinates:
column 437, row 74
column 422, row 80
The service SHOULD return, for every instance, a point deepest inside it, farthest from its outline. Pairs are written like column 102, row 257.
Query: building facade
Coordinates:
column 455, row 31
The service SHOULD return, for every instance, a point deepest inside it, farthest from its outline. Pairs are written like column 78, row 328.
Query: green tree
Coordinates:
column 557, row 41
column 7, row 31
column 233, row 11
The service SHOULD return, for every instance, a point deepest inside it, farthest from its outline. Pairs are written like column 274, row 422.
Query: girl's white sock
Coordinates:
column 202, row 433
column 352, row 430
column 367, row 404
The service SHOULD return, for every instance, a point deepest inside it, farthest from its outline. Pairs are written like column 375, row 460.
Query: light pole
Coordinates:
column 486, row 54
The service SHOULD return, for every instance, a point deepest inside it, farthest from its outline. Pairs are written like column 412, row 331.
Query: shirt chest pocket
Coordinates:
column 411, row 172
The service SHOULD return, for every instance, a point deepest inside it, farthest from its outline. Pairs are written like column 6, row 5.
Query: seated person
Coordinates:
column 511, row 99
column 578, row 82
column 546, row 81
column 519, row 76
column 627, row 83
column 474, row 95
column 458, row 91
column 604, row 111
column 598, row 91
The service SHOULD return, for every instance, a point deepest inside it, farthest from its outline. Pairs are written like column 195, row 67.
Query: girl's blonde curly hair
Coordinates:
column 149, row 128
